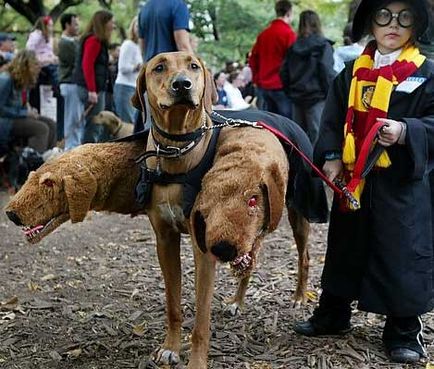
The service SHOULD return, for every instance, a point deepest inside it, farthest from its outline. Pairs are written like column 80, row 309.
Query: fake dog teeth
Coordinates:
column 242, row 261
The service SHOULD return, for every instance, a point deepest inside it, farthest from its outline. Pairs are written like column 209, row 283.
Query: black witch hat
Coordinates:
column 366, row 8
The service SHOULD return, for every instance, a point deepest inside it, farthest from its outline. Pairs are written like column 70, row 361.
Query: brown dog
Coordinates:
column 180, row 94
column 99, row 177
column 116, row 127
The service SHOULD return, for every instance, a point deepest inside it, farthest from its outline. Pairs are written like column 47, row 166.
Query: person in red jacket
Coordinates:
column 267, row 57
column 91, row 72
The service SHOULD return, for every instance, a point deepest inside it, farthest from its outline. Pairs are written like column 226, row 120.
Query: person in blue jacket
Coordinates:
column 17, row 119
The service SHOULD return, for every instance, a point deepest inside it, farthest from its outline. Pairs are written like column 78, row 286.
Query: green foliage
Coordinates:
column 226, row 29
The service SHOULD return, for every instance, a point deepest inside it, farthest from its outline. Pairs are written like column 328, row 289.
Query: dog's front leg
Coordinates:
column 236, row 303
column 205, row 267
column 168, row 249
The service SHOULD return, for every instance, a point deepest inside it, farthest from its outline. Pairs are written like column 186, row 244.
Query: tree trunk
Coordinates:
column 32, row 10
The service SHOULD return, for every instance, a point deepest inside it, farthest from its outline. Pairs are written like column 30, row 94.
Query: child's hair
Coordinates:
column 97, row 24
column 309, row 24
column 42, row 25
column 20, row 69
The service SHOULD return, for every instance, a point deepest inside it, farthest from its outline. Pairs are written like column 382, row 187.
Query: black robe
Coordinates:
column 382, row 254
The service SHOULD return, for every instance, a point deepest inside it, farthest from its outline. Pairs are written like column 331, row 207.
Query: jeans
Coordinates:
column 309, row 118
column 277, row 102
column 91, row 132
column 73, row 110
column 122, row 98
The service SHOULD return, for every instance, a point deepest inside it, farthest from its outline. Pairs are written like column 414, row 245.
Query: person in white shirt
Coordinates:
column 232, row 88
column 349, row 51
column 130, row 62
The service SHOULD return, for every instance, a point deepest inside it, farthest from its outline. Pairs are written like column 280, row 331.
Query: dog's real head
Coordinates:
column 175, row 82
column 109, row 119
column 53, row 194
column 237, row 206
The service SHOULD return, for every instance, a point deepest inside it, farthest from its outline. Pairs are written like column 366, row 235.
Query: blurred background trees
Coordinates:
column 226, row 29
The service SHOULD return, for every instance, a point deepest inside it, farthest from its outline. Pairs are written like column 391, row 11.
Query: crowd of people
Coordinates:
column 377, row 90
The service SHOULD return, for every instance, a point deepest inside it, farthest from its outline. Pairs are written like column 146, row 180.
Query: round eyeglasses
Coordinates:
column 383, row 17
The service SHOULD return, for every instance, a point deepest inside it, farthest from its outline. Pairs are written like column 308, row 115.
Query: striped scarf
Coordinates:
column 369, row 99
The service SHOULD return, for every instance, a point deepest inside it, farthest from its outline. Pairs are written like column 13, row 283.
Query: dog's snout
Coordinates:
column 225, row 251
column 181, row 84
column 14, row 218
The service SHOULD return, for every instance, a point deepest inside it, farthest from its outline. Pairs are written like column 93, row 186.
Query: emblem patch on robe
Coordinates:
column 367, row 93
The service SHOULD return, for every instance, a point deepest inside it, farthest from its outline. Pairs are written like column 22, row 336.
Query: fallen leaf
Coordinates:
column 139, row 329
column 10, row 316
column 311, row 295
column 74, row 353
column 10, row 304
column 33, row 286
column 48, row 277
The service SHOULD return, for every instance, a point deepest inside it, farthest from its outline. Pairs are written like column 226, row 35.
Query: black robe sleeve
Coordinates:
column 420, row 131
column 331, row 133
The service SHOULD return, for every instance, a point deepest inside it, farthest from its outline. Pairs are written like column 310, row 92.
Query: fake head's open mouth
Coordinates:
column 36, row 233
column 242, row 264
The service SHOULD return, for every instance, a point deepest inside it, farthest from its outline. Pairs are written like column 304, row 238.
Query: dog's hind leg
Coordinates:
column 168, row 249
column 300, row 229
column 236, row 303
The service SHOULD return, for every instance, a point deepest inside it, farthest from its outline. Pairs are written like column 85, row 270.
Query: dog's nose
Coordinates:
column 181, row 84
column 14, row 218
column 224, row 251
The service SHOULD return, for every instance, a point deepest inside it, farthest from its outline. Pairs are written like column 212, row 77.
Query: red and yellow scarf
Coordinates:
column 369, row 99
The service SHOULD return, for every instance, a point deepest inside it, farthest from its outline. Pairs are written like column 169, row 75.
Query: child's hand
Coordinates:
column 333, row 169
column 390, row 133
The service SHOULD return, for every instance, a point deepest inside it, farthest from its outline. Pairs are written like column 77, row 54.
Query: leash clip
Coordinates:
column 347, row 194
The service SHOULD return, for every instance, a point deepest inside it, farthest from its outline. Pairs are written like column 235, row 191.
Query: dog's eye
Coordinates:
column 194, row 66
column 48, row 183
column 159, row 68
column 253, row 201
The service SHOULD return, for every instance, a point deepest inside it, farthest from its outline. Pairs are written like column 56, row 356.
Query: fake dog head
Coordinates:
column 179, row 88
column 242, row 198
column 58, row 191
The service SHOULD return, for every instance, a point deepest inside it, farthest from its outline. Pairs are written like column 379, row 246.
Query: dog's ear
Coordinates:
column 80, row 189
column 198, row 231
column 138, row 99
column 275, row 188
column 47, row 179
column 210, row 96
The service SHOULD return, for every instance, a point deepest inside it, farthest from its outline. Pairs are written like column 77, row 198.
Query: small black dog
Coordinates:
column 17, row 165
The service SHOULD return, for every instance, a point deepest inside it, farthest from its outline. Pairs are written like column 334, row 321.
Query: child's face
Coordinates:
column 394, row 35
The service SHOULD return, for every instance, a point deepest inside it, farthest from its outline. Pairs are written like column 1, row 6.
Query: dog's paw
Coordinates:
column 165, row 357
column 232, row 309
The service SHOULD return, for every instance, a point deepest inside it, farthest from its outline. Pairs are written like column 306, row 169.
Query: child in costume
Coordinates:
column 377, row 135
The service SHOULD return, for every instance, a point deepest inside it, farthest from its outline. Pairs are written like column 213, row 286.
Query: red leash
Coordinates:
column 337, row 186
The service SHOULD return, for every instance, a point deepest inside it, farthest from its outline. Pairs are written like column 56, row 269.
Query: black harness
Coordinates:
column 190, row 180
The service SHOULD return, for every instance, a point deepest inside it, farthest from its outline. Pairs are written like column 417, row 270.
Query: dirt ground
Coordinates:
column 90, row 296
